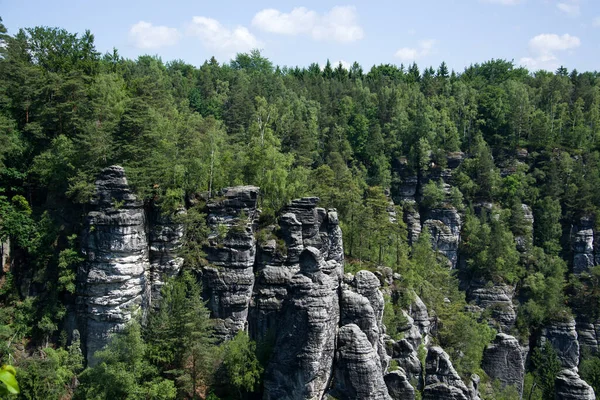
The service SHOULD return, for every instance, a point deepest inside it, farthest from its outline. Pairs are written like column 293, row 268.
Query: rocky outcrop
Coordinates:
column 525, row 240
column 503, row 360
column 362, row 304
column 357, row 373
column 228, row 280
column 296, row 297
column 112, row 283
column 398, row 386
column 442, row 382
column 563, row 338
column 444, row 225
column 165, row 238
column 412, row 219
column 497, row 301
column 582, row 244
column 588, row 334
column 405, row 355
column 569, row 386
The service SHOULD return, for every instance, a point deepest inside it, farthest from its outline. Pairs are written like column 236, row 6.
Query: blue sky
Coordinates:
column 534, row 33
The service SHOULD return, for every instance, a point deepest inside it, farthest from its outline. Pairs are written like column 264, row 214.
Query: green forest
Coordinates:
column 347, row 136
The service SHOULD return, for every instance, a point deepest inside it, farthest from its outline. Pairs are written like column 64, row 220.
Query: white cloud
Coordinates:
column 571, row 9
column 551, row 42
column 340, row 24
column 217, row 37
column 544, row 48
column 345, row 64
column 144, row 35
column 596, row 22
column 503, row 2
column 407, row 54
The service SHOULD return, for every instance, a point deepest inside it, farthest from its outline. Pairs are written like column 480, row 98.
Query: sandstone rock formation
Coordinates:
column 112, row 283
column 296, row 298
column 444, row 225
column 442, row 382
column 497, row 300
column 229, row 279
column 582, row 244
column 563, row 337
column 569, row 386
column 165, row 238
column 358, row 373
column 398, row 386
column 503, row 360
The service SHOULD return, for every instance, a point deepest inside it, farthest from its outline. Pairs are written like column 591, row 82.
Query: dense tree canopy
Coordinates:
column 67, row 111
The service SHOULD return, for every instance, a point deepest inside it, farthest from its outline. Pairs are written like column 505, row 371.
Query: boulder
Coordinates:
column 569, row 386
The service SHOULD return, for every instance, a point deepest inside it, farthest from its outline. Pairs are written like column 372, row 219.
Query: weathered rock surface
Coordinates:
column 112, row 283
column 503, row 360
column 525, row 241
column 398, row 386
column 496, row 299
column 362, row 304
column 588, row 334
column 165, row 238
column 582, row 244
column 444, row 225
column 412, row 218
column 569, row 386
column 297, row 295
column 442, row 382
column 229, row 279
column 357, row 372
column 563, row 337
column 406, row 356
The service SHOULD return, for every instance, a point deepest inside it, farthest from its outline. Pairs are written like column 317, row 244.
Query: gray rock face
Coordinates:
column 497, row 300
column 588, row 334
column 112, row 283
column 569, row 386
column 296, row 298
column 582, row 244
column 398, row 386
column 444, row 225
column 524, row 242
column 406, row 356
column 229, row 279
column 503, row 360
column 412, row 218
column 165, row 238
column 442, row 382
column 563, row 337
column 362, row 304
column 357, row 372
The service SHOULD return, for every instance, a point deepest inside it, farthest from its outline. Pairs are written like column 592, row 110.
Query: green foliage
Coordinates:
column 179, row 335
column 242, row 367
column 589, row 369
column 433, row 194
column 122, row 371
column 51, row 373
column 8, row 380
column 546, row 367
column 489, row 248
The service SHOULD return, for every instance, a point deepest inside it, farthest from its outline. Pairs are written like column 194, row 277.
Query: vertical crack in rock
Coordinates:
column 229, row 279
column 112, row 283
